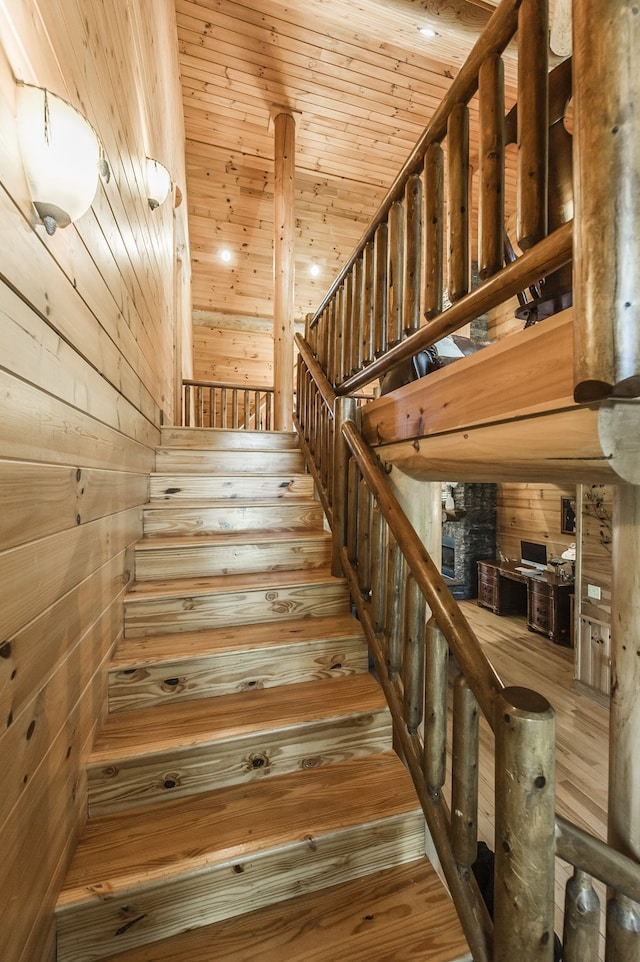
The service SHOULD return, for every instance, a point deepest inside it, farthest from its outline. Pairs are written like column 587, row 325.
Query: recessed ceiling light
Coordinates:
column 428, row 32
column 225, row 255
column 314, row 270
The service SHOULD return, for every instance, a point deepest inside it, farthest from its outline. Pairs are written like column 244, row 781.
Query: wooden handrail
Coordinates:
column 262, row 388
column 480, row 674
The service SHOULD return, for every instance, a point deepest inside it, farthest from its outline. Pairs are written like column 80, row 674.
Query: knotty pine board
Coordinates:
column 531, row 512
column 162, row 519
column 232, row 357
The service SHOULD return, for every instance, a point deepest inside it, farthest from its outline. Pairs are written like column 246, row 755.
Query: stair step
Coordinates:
column 400, row 913
column 206, row 517
column 199, row 461
column 228, row 439
column 177, row 487
column 152, row 754
column 160, row 669
column 141, row 876
column 231, row 553
column 154, row 607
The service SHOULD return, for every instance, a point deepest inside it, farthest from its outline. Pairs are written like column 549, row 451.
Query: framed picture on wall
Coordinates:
column 567, row 516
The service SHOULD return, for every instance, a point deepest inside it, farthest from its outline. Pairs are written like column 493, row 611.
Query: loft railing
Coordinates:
column 370, row 320
column 213, row 404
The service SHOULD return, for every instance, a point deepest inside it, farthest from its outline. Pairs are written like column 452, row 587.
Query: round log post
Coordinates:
column 623, row 918
column 345, row 409
column 491, row 198
column 396, row 272
column 464, row 774
column 581, row 932
column 525, row 822
column 414, row 656
column 412, row 267
column 458, row 202
column 606, row 274
column 435, row 709
column 533, row 121
column 394, row 609
column 380, row 289
column 433, row 229
column 283, row 268
column 367, row 305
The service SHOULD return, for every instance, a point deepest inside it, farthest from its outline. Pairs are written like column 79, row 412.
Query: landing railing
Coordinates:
column 213, row 404
column 370, row 320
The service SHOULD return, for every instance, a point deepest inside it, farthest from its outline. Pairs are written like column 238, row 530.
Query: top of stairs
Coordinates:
column 226, row 439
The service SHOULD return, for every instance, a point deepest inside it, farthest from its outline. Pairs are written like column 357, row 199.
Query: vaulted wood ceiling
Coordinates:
column 363, row 83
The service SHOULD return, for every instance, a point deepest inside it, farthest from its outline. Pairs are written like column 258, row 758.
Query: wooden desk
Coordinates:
column 544, row 599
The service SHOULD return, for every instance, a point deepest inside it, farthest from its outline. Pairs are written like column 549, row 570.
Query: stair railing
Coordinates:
column 214, row 404
column 412, row 623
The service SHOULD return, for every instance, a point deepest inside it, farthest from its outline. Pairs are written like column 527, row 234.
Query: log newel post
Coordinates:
column 606, row 144
column 283, row 269
column 345, row 410
column 623, row 916
column 525, row 822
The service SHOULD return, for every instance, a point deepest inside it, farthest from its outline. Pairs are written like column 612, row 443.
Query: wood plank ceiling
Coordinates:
column 363, row 83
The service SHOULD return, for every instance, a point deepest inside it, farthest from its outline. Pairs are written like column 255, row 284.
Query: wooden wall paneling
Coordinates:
column 33, row 653
column 596, row 551
column 531, row 512
column 233, row 356
column 42, row 499
column 57, row 563
column 38, row 427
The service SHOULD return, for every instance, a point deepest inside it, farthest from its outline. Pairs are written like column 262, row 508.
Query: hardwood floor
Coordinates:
column 521, row 657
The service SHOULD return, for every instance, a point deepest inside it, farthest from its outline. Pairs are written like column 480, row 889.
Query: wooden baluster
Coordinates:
column 234, row 408
column 458, row 201
column 356, row 317
column 186, row 410
column 464, row 776
column 347, row 321
column 345, row 410
column 268, row 398
column 491, row 198
column 524, row 826
column 581, row 932
column 414, row 656
column 246, row 416
column 433, row 229
column 364, row 536
column 435, row 709
column 340, row 304
column 256, row 410
column 367, row 304
column 353, row 490
column 396, row 273
column 379, row 535
column 224, row 413
column 380, row 258
column 334, row 342
column 533, row 121
column 607, row 210
column 198, row 407
column 394, row 608
column 213, row 413
column 413, row 256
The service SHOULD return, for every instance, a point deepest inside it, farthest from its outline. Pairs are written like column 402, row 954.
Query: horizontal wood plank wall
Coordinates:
column 86, row 374
column 232, row 356
column 531, row 512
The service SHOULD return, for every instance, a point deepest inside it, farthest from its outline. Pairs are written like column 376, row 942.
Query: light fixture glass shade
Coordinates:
column 158, row 183
column 60, row 154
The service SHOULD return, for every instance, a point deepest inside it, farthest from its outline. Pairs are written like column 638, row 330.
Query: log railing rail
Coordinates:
column 214, row 404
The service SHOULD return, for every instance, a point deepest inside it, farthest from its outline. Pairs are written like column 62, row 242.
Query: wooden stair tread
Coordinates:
column 226, row 538
column 150, row 844
column 399, row 913
column 178, row 646
column 146, row 731
column 269, row 580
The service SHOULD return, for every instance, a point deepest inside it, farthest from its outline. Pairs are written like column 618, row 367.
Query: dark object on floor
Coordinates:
column 483, row 869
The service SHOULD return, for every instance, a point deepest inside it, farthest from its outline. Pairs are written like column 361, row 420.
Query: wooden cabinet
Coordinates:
column 548, row 609
column 544, row 600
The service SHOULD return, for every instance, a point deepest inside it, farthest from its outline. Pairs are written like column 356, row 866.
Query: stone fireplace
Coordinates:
column 468, row 536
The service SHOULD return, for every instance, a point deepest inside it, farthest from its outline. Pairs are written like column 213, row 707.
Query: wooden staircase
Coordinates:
column 244, row 797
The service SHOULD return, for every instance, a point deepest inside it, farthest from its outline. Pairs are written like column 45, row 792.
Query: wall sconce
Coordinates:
column 158, row 183
column 61, row 155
